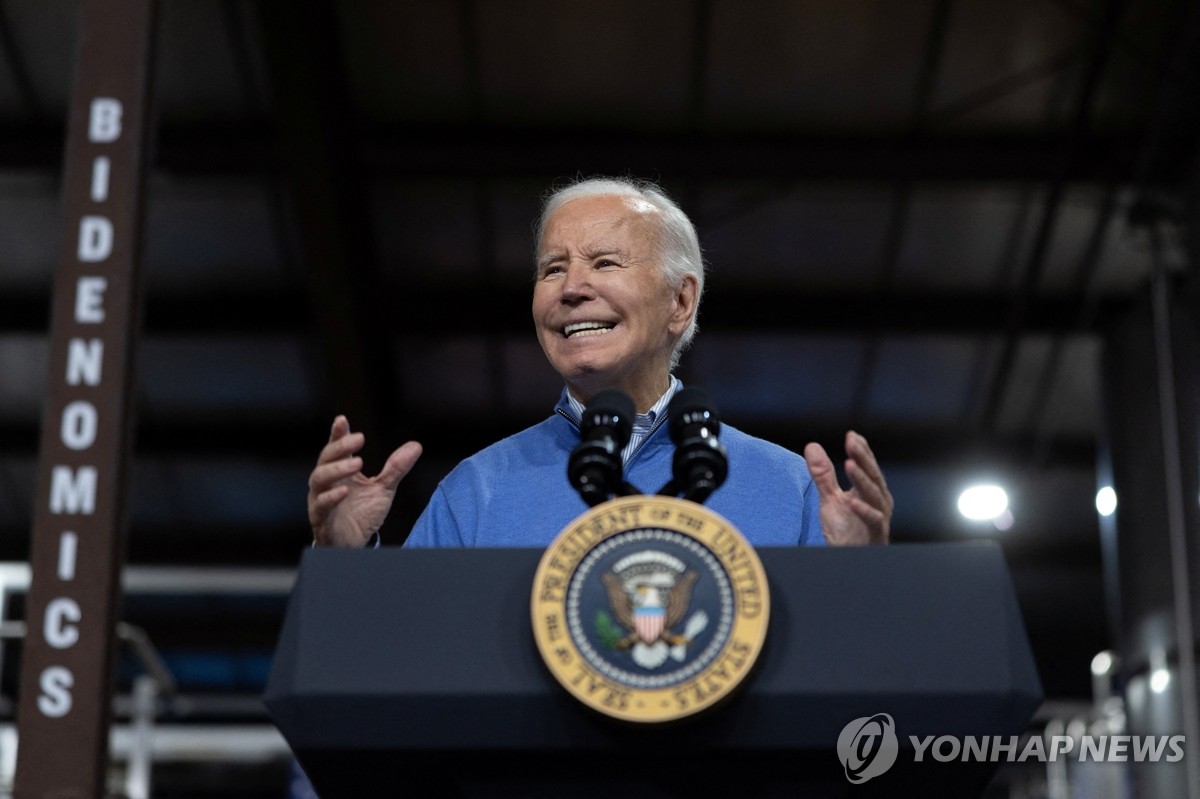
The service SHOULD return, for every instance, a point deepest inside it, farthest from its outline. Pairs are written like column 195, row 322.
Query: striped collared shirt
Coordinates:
column 643, row 423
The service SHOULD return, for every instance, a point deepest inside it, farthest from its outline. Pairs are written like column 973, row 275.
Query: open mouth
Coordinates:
column 580, row 329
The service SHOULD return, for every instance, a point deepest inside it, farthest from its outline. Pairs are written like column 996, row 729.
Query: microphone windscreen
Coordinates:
column 610, row 408
column 691, row 405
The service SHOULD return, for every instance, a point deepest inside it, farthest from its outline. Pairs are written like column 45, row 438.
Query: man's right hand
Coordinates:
column 345, row 507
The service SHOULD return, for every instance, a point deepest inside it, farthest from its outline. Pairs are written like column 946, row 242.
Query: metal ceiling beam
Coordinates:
column 1003, row 87
column 237, row 23
column 541, row 153
column 18, row 72
column 232, row 545
column 902, row 192
column 1085, row 283
column 1176, row 108
column 15, row 62
column 273, row 545
column 278, row 439
column 483, row 195
column 460, row 152
column 316, row 130
column 698, row 73
column 496, row 309
column 468, row 12
column 1096, row 42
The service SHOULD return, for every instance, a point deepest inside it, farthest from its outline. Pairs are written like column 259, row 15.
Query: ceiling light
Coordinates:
column 983, row 502
column 1159, row 680
column 1106, row 501
column 1102, row 664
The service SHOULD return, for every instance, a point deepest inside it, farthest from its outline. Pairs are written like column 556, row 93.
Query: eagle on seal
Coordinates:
column 649, row 611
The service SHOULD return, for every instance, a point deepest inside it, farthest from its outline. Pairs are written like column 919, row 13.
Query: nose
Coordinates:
column 577, row 284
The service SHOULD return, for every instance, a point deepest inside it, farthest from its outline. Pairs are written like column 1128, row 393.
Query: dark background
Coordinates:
column 921, row 219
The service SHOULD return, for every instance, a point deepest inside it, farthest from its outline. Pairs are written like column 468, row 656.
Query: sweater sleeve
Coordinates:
column 437, row 526
column 811, row 534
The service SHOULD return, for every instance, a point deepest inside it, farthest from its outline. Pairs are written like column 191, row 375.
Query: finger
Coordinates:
column 341, row 448
column 324, row 476
column 868, row 468
column 871, row 514
column 320, row 506
column 821, row 469
column 870, row 490
column 398, row 464
column 860, row 451
column 337, row 431
column 877, row 521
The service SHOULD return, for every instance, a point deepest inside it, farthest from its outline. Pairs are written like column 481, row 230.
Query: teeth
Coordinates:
column 587, row 329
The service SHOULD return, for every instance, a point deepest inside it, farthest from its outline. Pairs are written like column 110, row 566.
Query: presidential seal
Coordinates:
column 650, row 608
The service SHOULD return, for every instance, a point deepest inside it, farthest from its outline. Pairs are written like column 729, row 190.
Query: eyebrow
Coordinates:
column 591, row 253
column 551, row 258
column 597, row 252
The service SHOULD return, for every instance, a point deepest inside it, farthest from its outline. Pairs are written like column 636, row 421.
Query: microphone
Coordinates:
column 701, row 463
column 595, row 468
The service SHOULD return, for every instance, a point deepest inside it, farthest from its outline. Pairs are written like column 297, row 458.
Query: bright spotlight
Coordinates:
column 1106, row 501
column 983, row 502
column 1160, row 678
column 1102, row 664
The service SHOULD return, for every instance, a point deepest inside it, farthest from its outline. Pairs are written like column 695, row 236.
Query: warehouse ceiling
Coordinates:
column 920, row 219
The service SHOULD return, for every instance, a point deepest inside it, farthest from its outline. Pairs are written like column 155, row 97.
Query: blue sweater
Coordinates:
column 515, row 492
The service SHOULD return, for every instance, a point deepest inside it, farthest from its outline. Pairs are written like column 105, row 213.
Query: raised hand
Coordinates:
column 345, row 507
column 863, row 513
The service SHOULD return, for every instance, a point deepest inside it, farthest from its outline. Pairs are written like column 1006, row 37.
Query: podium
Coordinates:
column 415, row 673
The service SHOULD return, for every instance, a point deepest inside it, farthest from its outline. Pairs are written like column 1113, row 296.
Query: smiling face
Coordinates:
column 605, row 315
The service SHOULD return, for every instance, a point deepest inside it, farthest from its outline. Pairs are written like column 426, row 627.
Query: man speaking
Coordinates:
column 618, row 281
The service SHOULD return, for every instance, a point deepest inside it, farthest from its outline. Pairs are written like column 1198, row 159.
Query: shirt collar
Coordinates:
column 642, row 422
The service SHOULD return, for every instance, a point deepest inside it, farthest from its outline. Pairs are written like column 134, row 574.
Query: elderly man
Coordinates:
column 617, row 288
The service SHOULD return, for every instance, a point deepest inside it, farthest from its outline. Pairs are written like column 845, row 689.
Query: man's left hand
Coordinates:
column 862, row 514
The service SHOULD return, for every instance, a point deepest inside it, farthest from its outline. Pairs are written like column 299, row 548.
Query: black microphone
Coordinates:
column 594, row 467
column 701, row 463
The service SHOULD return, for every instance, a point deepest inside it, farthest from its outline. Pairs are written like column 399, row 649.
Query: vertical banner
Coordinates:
column 78, row 545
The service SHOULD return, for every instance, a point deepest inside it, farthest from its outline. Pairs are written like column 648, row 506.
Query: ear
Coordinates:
column 685, row 299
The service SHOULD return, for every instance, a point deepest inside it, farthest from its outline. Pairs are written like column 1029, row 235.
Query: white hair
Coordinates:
column 679, row 246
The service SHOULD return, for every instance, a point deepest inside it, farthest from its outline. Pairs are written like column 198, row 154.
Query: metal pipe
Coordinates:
column 1185, row 630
